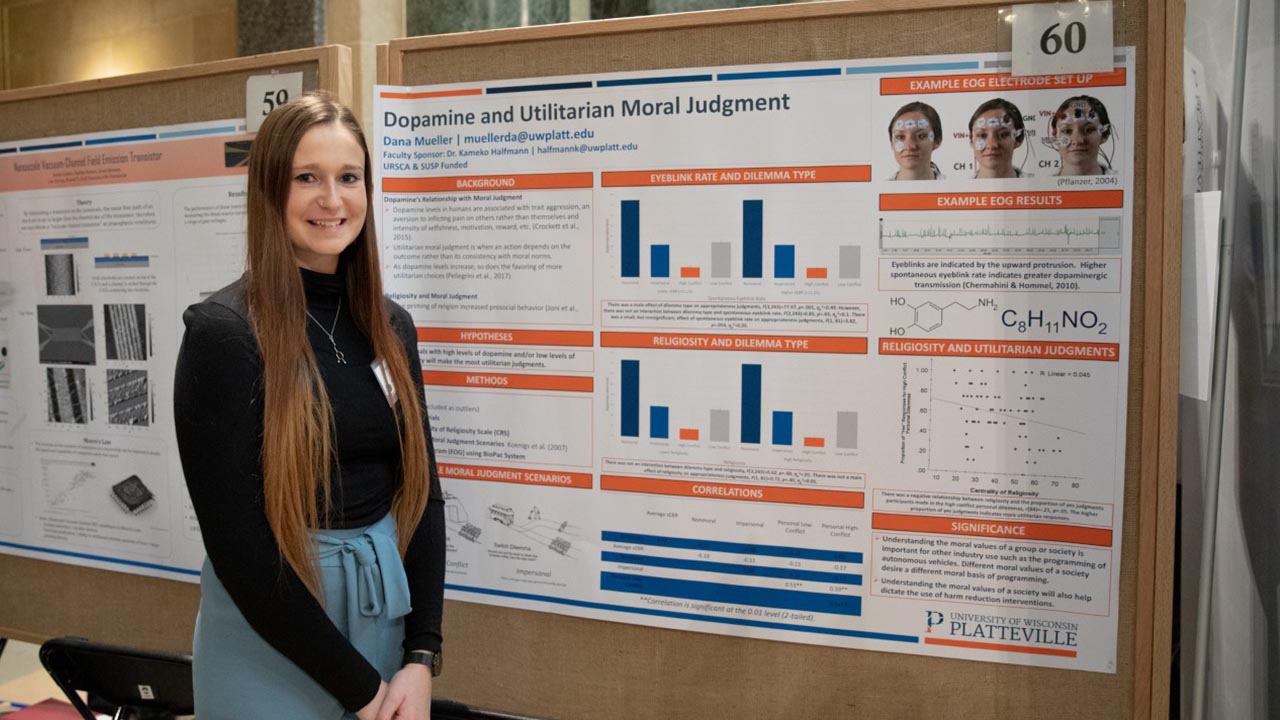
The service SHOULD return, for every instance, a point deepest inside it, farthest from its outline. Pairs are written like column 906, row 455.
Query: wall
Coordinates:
column 55, row 41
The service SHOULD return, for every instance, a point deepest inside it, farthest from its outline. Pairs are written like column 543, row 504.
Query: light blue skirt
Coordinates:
column 237, row 675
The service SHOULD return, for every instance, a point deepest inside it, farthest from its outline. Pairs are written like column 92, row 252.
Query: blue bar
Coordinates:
column 630, row 398
column 734, row 594
column 201, row 131
column 751, row 404
column 781, row 427
column 631, row 238
column 51, row 242
column 733, row 568
column 658, row 422
column 51, row 146
column 905, row 68
column 765, row 74
column 103, row 558
column 659, row 261
column 122, row 138
column 653, row 80
column 782, row 551
column 752, row 238
column 537, row 88
column 836, row 632
column 784, row 261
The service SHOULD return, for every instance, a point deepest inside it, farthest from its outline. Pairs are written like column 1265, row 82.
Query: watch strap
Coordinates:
column 424, row 657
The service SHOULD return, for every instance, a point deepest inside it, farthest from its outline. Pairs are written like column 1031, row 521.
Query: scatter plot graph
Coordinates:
column 1002, row 419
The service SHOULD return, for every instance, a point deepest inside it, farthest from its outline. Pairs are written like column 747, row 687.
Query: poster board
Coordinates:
column 43, row 599
column 550, row 665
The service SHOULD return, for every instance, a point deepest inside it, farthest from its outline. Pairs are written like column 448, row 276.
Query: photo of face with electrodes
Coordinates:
column 1078, row 131
column 915, row 131
column 996, row 131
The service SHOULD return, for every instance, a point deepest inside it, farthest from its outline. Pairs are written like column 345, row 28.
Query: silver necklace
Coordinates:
column 342, row 359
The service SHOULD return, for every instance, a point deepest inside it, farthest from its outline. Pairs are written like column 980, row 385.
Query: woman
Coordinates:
column 1077, row 131
column 996, row 130
column 307, row 453
column 914, row 133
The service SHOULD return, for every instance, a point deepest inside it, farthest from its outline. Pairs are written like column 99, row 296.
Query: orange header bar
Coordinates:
column 433, row 94
column 489, row 183
column 738, row 176
column 490, row 336
column 1001, row 647
column 759, row 343
column 995, row 82
column 1028, row 349
column 729, row 491
column 508, row 381
column 992, row 528
column 1043, row 200
column 515, row 475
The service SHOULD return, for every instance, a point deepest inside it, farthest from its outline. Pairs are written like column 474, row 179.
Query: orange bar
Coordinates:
column 996, row 82
column 1039, row 200
column 493, row 336
column 760, row 343
column 1100, row 537
column 997, row 646
column 815, row 442
column 690, row 272
column 515, row 475
column 489, row 183
column 688, row 433
column 737, row 176
column 815, row 273
column 508, row 381
column 731, row 491
column 1026, row 349
column 433, row 94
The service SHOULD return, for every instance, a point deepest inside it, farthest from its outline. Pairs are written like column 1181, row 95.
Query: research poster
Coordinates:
column 104, row 239
column 830, row 353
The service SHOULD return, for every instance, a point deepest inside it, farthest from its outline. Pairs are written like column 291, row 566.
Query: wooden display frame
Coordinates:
column 558, row 666
column 42, row 599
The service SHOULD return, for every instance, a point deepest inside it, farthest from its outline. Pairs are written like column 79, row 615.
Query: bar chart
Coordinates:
column 753, row 404
column 777, row 241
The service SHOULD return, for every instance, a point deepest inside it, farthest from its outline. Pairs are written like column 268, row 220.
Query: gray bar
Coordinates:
column 847, row 430
column 850, row 262
column 721, row 261
column 719, row 426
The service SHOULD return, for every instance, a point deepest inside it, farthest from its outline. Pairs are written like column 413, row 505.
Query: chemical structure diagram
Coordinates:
column 929, row 316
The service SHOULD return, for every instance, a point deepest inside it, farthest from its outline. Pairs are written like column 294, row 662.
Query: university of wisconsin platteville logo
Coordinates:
column 932, row 618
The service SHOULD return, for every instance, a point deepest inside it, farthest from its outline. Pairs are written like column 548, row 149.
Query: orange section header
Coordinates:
column 731, row 491
column 1029, row 349
column 1042, row 200
column 1001, row 647
column 489, row 183
column 993, row 528
column 151, row 161
column 738, row 176
column 508, row 381
column 515, row 475
column 490, row 336
column 432, row 94
column 996, row 82
column 758, row 343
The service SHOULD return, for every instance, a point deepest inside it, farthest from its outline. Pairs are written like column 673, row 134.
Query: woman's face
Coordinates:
column 993, row 138
column 327, row 202
column 913, row 140
column 1079, row 137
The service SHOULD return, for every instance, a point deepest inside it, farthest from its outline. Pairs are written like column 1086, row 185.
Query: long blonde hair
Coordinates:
column 298, row 454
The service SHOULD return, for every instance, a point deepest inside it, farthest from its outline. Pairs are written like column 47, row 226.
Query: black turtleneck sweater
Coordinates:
column 218, row 398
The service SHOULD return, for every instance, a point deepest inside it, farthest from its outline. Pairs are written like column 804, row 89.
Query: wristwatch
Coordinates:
column 424, row 657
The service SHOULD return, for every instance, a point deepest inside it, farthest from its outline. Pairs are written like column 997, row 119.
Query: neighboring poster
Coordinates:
column 700, row 355
column 104, row 239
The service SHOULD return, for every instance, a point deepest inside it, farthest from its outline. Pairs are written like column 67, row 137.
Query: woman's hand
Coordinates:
column 370, row 711
column 408, row 695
